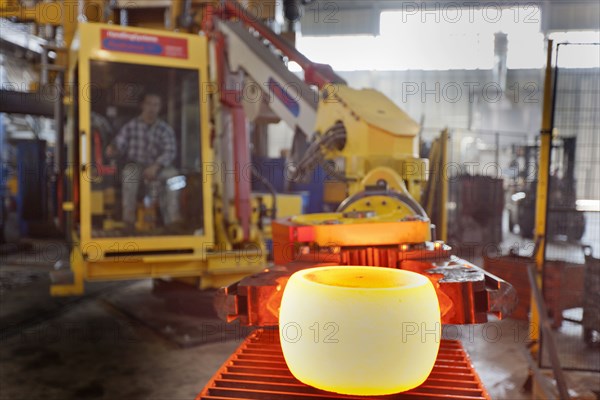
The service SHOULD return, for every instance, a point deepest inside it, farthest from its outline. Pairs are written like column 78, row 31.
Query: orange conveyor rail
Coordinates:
column 257, row 370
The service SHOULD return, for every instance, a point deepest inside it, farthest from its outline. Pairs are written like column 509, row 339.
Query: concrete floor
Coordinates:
column 89, row 348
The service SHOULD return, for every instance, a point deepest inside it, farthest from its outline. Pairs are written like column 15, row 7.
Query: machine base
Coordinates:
column 257, row 370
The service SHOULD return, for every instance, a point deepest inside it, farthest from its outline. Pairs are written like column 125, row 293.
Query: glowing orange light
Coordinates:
column 446, row 303
column 360, row 330
column 273, row 302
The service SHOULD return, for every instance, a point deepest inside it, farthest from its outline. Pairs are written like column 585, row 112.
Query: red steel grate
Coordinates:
column 257, row 370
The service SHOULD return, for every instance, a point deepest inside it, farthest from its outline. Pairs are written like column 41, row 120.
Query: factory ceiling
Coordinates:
column 361, row 17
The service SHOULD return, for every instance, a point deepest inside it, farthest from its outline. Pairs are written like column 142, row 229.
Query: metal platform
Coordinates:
column 257, row 370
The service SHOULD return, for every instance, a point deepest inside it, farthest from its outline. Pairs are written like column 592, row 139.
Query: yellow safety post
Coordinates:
column 541, row 205
column 437, row 185
column 444, row 183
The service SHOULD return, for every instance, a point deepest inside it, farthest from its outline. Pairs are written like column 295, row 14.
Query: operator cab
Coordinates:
column 139, row 134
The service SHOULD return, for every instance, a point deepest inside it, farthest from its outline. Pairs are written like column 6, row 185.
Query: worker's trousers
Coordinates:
column 133, row 177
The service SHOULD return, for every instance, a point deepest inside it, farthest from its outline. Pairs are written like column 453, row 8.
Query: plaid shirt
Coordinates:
column 146, row 145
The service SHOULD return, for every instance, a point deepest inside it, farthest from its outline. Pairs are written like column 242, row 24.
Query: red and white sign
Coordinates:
column 143, row 43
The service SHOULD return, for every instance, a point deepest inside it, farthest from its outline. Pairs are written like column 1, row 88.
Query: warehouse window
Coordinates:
column 578, row 56
column 436, row 38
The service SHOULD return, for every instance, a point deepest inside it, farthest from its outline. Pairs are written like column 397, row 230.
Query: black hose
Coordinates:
column 270, row 188
column 333, row 139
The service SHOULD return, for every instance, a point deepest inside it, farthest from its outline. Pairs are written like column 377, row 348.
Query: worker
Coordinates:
column 148, row 145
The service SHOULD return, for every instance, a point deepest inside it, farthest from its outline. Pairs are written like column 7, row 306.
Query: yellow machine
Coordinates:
column 111, row 67
column 374, row 138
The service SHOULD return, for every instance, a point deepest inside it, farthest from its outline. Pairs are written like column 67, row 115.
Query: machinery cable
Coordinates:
column 334, row 138
column 270, row 188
